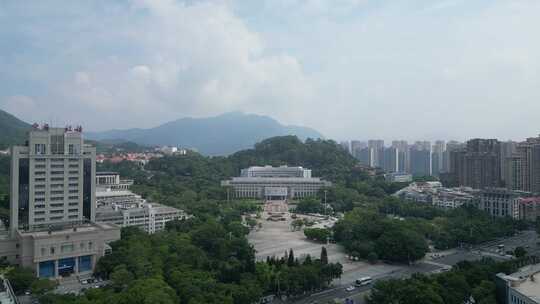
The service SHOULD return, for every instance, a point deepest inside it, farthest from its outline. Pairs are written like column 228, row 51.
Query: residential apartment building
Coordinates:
column 478, row 164
column 52, row 227
column 523, row 167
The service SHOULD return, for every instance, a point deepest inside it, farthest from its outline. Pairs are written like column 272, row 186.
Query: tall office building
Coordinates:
column 52, row 208
column 478, row 165
column 378, row 149
column 437, row 157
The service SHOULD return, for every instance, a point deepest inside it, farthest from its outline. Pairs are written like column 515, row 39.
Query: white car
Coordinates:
column 350, row 288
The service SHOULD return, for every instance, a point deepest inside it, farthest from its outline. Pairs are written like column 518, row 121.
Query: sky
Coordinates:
column 352, row 69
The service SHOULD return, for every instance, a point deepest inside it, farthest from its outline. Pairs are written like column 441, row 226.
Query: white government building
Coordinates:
column 275, row 183
column 117, row 205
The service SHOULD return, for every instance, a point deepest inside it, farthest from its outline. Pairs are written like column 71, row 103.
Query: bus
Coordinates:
column 363, row 281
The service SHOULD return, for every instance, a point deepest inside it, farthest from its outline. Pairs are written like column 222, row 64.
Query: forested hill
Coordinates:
column 12, row 130
column 220, row 135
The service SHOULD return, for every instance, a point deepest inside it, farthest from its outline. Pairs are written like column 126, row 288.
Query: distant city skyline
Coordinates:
column 389, row 69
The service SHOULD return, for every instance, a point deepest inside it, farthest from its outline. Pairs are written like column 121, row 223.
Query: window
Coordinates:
column 57, row 166
column 73, row 204
column 74, row 178
column 40, row 149
column 39, row 212
column 37, row 220
column 56, row 218
column 39, row 166
column 73, row 210
column 57, row 211
column 57, row 192
column 39, row 193
column 39, row 186
column 74, row 185
column 40, row 160
column 57, row 144
column 66, row 248
column 40, row 179
column 57, row 205
column 57, row 172
column 39, row 199
column 57, row 198
column 73, row 191
column 52, row 250
column 73, row 172
column 73, row 197
column 74, row 166
column 73, row 149
column 57, row 179
column 39, row 173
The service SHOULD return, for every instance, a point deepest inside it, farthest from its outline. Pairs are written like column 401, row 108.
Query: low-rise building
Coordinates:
column 435, row 194
column 523, row 286
column 398, row 177
column 275, row 183
column 501, row 202
column 529, row 208
column 117, row 205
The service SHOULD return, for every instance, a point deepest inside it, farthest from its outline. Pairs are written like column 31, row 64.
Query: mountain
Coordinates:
column 219, row 135
column 12, row 130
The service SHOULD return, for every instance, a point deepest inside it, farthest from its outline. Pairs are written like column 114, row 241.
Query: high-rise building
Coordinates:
column 508, row 149
column 478, row 165
column 450, row 146
column 346, row 145
column 421, row 158
column 366, row 157
column 52, row 207
column 437, row 157
column 404, row 157
column 391, row 160
column 356, row 147
column 378, row 149
column 524, row 166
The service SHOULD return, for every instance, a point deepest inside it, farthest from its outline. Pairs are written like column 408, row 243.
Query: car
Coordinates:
column 350, row 288
column 84, row 282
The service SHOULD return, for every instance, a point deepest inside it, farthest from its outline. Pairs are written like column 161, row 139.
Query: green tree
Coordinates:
column 520, row 252
column 121, row 278
column 324, row 256
column 21, row 279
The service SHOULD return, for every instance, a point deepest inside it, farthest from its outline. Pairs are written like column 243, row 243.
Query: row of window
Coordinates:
column 67, row 248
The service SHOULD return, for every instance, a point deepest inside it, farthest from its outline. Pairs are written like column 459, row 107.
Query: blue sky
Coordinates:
column 353, row 69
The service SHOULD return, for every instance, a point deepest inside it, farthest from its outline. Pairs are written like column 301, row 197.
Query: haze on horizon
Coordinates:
column 411, row 69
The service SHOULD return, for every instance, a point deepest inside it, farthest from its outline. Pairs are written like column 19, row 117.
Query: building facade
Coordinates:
column 52, row 227
column 501, row 202
column 275, row 183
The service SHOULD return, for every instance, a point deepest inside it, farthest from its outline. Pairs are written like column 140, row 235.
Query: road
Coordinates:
column 445, row 259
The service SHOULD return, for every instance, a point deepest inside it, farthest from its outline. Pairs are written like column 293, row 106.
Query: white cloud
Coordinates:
column 350, row 68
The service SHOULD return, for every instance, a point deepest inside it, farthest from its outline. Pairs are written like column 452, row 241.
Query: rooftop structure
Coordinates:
column 523, row 286
column 117, row 205
column 275, row 183
column 435, row 194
